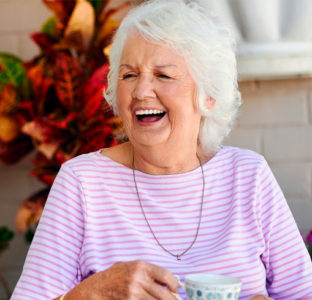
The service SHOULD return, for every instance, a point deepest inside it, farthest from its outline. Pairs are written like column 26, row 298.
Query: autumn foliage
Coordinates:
column 54, row 104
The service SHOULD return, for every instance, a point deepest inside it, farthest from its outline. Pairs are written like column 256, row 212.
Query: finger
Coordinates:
column 137, row 291
column 159, row 291
column 176, row 296
column 163, row 276
column 145, row 296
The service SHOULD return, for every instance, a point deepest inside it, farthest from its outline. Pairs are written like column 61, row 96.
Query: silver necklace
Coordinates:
column 177, row 256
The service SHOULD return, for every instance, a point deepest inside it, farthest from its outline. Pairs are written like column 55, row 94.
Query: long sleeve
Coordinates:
column 93, row 219
column 52, row 264
column 288, row 265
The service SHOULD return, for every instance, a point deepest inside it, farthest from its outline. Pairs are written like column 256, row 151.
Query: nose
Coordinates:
column 144, row 87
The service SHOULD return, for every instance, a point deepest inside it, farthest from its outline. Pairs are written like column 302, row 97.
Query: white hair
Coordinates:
column 208, row 49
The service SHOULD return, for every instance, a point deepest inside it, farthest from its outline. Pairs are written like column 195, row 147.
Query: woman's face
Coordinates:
column 156, row 95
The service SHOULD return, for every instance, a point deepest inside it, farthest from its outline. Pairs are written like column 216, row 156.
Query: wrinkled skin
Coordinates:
column 136, row 280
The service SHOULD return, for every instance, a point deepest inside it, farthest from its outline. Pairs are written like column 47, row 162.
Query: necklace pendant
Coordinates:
column 178, row 257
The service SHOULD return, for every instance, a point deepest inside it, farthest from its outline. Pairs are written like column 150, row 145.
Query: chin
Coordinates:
column 149, row 140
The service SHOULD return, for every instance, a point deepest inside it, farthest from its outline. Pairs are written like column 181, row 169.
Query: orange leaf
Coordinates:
column 108, row 28
column 60, row 8
column 9, row 99
column 82, row 21
column 30, row 211
column 35, row 130
column 110, row 19
column 9, row 129
column 40, row 83
column 48, row 149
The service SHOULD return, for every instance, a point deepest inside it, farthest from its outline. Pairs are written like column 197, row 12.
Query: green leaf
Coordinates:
column 49, row 26
column 12, row 71
column 97, row 4
column 6, row 234
column 29, row 235
column 309, row 247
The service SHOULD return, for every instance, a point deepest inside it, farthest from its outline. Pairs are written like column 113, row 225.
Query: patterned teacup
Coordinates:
column 212, row 287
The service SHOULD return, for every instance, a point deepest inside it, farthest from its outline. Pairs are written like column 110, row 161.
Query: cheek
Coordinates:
column 170, row 95
column 120, row 94
column 180, row 93
column 123, row 99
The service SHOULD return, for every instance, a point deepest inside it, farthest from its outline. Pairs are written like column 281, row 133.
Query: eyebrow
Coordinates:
column 166, row 66
column 157, row 66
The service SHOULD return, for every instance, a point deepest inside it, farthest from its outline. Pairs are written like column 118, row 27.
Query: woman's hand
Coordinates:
column 261, row 297
column 127, row 281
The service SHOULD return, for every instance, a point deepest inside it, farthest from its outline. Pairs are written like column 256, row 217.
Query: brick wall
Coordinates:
column 19, row 18
column 275, row 120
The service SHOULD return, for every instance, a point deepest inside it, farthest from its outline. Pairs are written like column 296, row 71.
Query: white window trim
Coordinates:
column 274, row 37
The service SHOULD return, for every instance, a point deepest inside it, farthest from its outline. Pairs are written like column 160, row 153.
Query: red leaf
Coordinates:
column 45, row 170
column 25, row 112
column 44, row 176
column 45, row 42
column 68, row 79
column 27, row 106
column 62, row 156
column 12, row 152
column 93, row 91
column 99, row 136
column 43, row 132
column 62, row 122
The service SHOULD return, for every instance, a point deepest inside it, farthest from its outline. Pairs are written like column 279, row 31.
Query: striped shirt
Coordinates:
column 93, row 219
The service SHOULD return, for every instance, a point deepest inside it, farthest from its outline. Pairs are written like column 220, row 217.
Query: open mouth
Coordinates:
column 149, row 115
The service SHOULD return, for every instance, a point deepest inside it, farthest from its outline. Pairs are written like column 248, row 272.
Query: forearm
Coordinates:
column 126, row 280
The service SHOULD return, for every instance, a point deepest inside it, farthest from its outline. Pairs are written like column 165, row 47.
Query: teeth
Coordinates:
column 148, row 112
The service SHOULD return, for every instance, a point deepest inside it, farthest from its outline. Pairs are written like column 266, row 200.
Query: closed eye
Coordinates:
column 126, row 76
column 164, row 76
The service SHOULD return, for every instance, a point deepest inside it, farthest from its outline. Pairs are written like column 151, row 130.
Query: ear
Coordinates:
column 210, row 103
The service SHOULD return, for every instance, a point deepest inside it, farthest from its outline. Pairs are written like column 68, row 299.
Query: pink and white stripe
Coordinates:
column 93, row 219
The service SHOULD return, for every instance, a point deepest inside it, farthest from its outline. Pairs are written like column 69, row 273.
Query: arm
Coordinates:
column 287, row 263
column 130, row 280
column 52, row 265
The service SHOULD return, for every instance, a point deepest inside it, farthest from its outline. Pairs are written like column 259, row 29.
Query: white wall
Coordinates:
column 275, row 120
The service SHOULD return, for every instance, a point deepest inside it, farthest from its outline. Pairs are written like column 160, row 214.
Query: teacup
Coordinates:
column 212, row 287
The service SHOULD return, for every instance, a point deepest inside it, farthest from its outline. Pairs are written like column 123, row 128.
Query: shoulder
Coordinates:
column 237, row 154
column 93, row 165
column 76, row 169
column 90, row 159
column 241, row 159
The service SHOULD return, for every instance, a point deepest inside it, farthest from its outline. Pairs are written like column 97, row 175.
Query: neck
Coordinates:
column 155, row 161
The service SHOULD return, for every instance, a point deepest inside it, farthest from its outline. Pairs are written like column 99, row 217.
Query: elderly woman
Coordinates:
column 121, row 222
